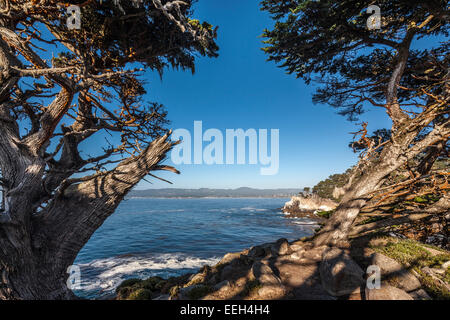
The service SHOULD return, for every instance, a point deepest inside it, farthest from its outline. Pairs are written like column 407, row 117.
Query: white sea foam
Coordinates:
column 304, row 222
column 104, row 275
column 252, row 209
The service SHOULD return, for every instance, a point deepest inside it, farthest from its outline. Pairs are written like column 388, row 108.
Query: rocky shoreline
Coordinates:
column 410, row 270
column 297, row 270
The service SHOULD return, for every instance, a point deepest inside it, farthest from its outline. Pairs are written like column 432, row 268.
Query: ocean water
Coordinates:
column 168, row 237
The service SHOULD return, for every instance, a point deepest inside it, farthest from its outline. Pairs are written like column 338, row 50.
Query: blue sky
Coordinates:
column 240, row 89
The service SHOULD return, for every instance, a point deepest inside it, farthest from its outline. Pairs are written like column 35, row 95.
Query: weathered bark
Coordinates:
column 47, row 212
column 36, row 249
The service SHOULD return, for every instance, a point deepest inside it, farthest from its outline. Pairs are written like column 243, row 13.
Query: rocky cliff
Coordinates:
column 308, row 206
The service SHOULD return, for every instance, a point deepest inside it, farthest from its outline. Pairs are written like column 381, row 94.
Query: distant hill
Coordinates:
column 213, row 193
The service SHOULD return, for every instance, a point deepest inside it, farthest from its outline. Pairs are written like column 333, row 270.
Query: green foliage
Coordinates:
column 325, row 188
column 330, row 41
column 153, row 283
column 325, row 214
column 140, row 294
column 199, row 291
column 129, row 283
column 137, row 289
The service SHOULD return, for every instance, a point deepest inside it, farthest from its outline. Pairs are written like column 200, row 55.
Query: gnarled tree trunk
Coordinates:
column 36, row 248
column 393, row 156
column 403, row 146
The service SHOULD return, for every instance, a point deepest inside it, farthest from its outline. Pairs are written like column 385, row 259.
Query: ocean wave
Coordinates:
column 305, row 222
column 253, row 209
column 102, row 276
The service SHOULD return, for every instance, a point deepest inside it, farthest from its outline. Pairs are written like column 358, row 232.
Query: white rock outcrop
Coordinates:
column 309, row 203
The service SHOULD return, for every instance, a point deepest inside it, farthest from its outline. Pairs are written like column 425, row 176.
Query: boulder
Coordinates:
column 222, row 285
column 257, row 252
column 193, row 292
column 280, row 248
column 264, row 274
column 197, row 278
column 229, row 257
column 387, row 292
column 163, row 297
column 314, row 254
column 297, row 255
column 295, row 247
column 395, row 273
column 420, row 295
column 340, row 275
column 227, row 273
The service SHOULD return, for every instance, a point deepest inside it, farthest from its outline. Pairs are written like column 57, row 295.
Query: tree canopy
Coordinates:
column 329, row 41
column 62, row 86
column 357, row 67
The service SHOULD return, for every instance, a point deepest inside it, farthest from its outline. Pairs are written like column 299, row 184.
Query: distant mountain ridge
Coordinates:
column 243, row 192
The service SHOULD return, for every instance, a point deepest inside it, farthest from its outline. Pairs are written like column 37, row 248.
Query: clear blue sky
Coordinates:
column 240, row 89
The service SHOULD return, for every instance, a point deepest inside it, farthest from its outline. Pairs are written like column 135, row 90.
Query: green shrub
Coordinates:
column 326, row 187
column 140, row 294
column 199, row 292
column 128, row 283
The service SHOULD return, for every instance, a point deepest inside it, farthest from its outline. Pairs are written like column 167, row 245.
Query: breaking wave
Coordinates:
column 101, row 277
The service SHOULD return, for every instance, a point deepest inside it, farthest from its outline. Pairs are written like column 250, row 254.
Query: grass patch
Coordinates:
column 128, row 283
column 325, row 214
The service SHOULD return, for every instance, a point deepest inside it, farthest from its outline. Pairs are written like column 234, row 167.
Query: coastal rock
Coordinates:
column 222, row 285
column 197, row 278
column 163, row 297
column 339, row 273
column 431, row 272
column 227, row 273
column 301, row 278
column 258, row 251
column 420, row 295
column 280, row 248
column 297, row 255
column 229, row 257
column 315, row 254
column 264, row 274
column 296, row 247
column 271, row 292
column 193, row 292
column 387, row 292
column 395, row 273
